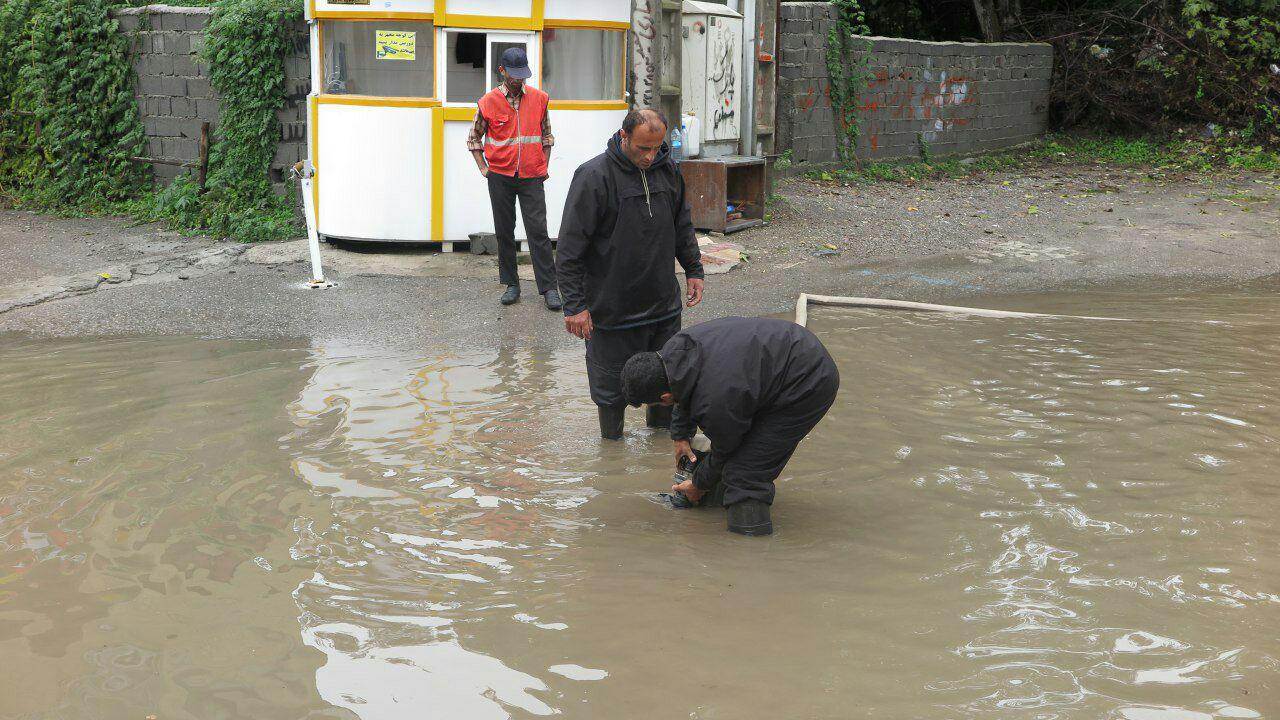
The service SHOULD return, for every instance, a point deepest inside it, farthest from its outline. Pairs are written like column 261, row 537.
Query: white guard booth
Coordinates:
column 394, row 91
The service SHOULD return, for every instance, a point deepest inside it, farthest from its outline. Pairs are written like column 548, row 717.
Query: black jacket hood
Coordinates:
column 682, row 359
column 621, row 230
column 614, row 151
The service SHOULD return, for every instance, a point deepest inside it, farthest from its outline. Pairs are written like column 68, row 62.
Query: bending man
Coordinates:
column 756, row 387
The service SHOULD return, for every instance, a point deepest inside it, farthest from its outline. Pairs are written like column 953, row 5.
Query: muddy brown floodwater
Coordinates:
column 999, row 518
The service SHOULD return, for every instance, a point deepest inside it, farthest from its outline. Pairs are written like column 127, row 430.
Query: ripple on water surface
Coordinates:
column 1016, row 519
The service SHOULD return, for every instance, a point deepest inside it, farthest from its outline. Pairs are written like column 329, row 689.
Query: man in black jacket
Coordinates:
column 756, row 387
column 625, row 222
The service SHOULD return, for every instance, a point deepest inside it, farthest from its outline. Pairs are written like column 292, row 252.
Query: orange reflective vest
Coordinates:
column 513, row 141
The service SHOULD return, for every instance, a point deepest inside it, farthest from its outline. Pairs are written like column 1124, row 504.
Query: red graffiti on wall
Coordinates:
column 807, row 99
column 941, row 97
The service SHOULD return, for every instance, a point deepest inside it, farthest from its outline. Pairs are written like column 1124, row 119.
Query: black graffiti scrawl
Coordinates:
column 644, row 34
column 724, row 76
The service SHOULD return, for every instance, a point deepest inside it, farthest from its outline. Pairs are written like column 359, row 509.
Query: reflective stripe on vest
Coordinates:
column 513, row 141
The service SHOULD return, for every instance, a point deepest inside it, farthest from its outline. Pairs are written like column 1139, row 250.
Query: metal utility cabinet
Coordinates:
column 711, row 78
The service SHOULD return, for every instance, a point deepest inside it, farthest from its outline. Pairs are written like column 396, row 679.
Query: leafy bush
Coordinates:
column 68, row 65
column 248, row 41
column 1144, row 65
column 1131, row 64
column 18, row 156
column 69, row 123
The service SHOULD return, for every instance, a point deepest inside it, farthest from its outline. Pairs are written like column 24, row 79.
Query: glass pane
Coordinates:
column 582, row 64
column 464, row 67
column 387, row 59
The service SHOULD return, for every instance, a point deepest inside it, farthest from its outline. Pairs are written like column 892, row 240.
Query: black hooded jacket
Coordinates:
column 622, row 228
column 724, row 373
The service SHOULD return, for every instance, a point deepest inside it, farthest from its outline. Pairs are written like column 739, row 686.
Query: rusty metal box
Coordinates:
column 725, row 194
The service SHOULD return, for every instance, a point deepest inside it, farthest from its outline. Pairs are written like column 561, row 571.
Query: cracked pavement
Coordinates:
column 1003, row 240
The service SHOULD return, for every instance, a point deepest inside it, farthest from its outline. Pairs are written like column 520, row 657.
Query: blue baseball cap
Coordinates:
column 517, row 63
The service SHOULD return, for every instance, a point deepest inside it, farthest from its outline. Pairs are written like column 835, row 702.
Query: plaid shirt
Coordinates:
column 475, row 138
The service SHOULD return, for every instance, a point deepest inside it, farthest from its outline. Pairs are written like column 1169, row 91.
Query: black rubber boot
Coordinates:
column 750, row 517
column 511, row 295
column 611, row 419
column 657, row 416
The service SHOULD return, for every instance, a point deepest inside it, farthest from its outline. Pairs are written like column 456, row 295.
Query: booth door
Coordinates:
column 468, row 75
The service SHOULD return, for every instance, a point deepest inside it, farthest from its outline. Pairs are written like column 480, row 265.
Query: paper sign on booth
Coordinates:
column 395, row 45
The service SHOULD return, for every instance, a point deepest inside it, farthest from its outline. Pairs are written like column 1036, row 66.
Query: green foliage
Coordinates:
column 19, row 160
column 246, row 46
column 1234, row 47
column 66, row 62
column 1144, row 64
column 1134, row 65
column 847, row 73
column 921, row 19
column 182, row 207
column 1208, row 156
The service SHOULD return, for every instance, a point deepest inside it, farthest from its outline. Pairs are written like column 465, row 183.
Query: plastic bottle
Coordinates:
column 691, row 129
column 676, row 142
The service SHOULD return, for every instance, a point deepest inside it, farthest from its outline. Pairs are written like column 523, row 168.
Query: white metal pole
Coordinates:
column 313, row 237
column 750, row 55
column 805, row 299
column 306, row 172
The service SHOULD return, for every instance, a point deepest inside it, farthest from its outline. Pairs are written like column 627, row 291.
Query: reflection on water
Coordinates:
column 144, row 559
column 447, row 499
column 1015, row 519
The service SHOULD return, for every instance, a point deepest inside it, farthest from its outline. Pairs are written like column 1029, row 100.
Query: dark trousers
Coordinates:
column 503, row 191
column 768, row 446
column 609, row 350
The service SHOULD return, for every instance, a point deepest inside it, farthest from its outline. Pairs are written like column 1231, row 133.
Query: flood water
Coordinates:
column 999, row 518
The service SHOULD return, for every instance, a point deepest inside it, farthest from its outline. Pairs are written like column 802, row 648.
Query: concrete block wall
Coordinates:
column 174, row 94
column 954, row 97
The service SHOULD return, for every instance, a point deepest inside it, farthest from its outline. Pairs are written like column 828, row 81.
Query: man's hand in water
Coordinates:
column 683, row 450
column 691, row 492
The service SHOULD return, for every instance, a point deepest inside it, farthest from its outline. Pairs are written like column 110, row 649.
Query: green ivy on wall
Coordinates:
column 66, row 71
column 18, row 156
column 69, row 121
column 246, row 45
column 847, row 73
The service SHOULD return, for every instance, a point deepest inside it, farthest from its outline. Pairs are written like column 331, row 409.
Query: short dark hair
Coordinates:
column 651, row 117
column 644, row 379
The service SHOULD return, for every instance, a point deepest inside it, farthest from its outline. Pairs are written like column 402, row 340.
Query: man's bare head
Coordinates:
column 643, row 132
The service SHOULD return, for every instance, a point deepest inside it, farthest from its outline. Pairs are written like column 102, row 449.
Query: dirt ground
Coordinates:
column 992, row 236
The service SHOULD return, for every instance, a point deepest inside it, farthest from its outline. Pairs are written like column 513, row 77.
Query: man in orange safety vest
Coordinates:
column 511, row 141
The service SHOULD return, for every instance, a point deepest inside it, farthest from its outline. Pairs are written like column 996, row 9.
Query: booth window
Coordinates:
column 472, row 58
column 465, row 78
column 384, row 59
column 582, row 64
